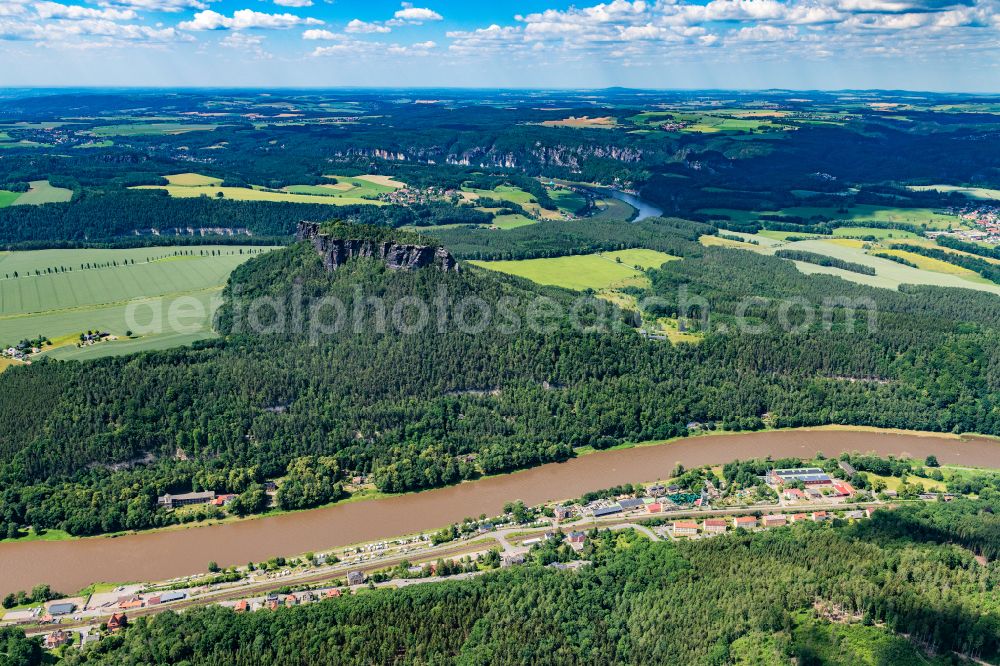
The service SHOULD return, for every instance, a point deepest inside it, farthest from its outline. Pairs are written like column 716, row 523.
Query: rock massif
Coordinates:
column 337, row 251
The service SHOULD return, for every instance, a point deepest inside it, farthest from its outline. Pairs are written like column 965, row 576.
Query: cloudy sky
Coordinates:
column 823, row 44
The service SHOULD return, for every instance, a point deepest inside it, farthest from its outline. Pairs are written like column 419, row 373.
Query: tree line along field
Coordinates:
column 924, row 217
column 55, row 294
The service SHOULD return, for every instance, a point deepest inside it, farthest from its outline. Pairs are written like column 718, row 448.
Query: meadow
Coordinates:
column 515, row 195
column 7, row 198
column 150, row 129
column 360, row 187
column 60, row 303
column 43, row 192
column 567, row 200
column 586, row 271
column 512, row 221
column 346, row 192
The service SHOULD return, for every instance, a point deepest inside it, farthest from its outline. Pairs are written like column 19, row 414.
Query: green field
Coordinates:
column 248, row 194
column 512, row 221
column 567, row 200
column 150, row 129
column 346, row 187
column 346, row 192
column 61, row 304
column 7, row 198
column 588, row 271
column 42, row 192
column 504, row 193
column 732, row 120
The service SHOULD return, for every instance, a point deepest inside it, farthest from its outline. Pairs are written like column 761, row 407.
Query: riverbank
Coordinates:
column 370, row 495
column 70, row 565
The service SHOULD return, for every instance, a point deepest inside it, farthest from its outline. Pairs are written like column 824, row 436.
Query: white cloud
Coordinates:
column 358, row 26
column 763, row 33
column 411, row 14
column 168, row 6
column 314, row 35
column 244, row 19
column 14, row 8
column 54, row 10
column 294, row 3
column 418, row 49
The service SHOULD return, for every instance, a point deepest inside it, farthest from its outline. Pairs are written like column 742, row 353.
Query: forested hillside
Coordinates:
column 410, row 409
column 886, row 591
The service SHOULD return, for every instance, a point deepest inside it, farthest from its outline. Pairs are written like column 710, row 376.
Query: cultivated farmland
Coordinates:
column 888, row 274
column 53, row 296
column 349, row 191
column 42, row 192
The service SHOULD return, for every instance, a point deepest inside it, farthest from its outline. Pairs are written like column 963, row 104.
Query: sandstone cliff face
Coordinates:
column 337, row 251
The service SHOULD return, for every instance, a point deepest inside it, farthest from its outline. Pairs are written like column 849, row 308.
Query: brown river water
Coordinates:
column 70, row 565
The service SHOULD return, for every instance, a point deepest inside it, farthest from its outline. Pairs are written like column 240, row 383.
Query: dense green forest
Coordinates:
column 899, row 589
column 409, row 409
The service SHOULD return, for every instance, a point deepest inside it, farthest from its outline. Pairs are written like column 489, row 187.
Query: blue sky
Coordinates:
column 822, row 44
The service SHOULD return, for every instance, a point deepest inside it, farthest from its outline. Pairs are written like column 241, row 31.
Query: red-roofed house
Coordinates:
column 793, row 494
column 654, row 507
column 331, row 594
column 222, row 500
column 819, row 516
column 117, row 622
column 799, row 517
column 685, row 528
column 843, row 488
column 775, row 520
column 746, row 522
column 242, row 606
column 714, row 526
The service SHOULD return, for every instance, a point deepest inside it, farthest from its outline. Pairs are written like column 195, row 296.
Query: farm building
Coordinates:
column 61, row 609
column 810, row 476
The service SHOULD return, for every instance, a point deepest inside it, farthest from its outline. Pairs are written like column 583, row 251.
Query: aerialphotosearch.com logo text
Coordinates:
column 292, row 314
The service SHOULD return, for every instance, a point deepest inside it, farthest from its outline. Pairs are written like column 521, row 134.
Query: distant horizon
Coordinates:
column 626, row 89
column 950, row 45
